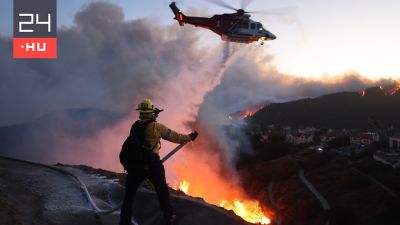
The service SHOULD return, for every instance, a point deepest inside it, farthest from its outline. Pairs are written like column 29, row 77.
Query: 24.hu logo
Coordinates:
column 35, row 29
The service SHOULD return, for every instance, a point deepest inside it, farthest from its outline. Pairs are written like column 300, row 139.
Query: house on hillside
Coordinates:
column 345, row 151
column 308, row 130
column 287, row 129
column 327, row 137
column 264, row 137
column 299, row 138
column 394, row 142
column 363, row 140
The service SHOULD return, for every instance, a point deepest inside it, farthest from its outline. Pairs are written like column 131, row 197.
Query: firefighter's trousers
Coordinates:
column 156, row 174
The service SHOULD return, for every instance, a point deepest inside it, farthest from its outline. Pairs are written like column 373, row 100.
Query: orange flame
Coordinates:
column 202, row 173
column 389, row 91
column 184, row 186
column 248, row 210
column 394, row 90
column 362, row 93
column 246, row 113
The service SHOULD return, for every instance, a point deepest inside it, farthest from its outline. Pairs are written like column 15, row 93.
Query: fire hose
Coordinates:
column 83, row 186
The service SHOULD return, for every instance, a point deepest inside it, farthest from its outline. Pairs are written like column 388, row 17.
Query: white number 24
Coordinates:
column 31, row 22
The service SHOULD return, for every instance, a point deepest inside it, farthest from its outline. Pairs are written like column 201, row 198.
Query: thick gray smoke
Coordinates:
column 104, row 63
column 78, row 108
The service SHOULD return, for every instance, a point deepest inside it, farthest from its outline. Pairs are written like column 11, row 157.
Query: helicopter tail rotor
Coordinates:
column 179, row 16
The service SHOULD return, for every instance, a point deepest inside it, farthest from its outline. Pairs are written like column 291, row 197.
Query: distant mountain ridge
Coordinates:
column 33, row 140
column 377, row 105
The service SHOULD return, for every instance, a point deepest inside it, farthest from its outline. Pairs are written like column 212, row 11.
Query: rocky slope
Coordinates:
column 33, row 194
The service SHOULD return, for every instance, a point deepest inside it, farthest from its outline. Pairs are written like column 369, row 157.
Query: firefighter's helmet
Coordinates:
column 145, row 106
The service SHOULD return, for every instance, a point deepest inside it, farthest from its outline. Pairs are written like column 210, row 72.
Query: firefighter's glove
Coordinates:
column 193, row 135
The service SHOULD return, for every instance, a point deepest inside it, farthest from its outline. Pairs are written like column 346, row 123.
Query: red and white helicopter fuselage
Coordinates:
column 233, row 27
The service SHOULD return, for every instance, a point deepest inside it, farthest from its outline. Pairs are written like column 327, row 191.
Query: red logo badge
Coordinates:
column 35, row 29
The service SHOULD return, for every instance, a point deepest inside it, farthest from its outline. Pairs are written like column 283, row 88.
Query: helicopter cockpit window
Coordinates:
column 259, row 27
column 253, row 26
column 245, row 25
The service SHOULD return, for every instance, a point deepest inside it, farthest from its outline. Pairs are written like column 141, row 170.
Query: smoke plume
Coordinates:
column 105, row 66
column 104, row 63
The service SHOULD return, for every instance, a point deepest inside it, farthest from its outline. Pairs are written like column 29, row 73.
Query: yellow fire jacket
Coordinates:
column 155, row 131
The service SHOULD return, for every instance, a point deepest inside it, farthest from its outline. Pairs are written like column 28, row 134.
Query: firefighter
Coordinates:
column 150, row 131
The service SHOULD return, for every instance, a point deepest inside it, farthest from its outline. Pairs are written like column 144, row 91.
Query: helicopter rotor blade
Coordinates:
column 222, row 4
column 177, row 2
column 283, row 11
column 245, row 3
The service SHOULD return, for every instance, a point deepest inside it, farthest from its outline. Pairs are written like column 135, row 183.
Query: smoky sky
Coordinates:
column 246, row 84
column 105, row 66
column 103, row 62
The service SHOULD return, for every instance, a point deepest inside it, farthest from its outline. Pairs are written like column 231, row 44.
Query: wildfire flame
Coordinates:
column 184, row 186
column 388, row 91
column 394, row 90
column 246, row 113
column 248, row 210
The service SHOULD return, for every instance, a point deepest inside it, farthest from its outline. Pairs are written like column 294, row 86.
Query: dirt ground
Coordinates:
column 33, row 194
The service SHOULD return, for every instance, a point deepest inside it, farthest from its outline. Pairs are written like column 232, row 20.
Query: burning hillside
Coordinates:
column 241, row 115
column 387, row 90
column 249, row 210
column 390, row 90
column 204, row 176
column 338, row 110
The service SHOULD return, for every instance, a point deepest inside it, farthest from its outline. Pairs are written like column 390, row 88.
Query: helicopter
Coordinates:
column 232, row 27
